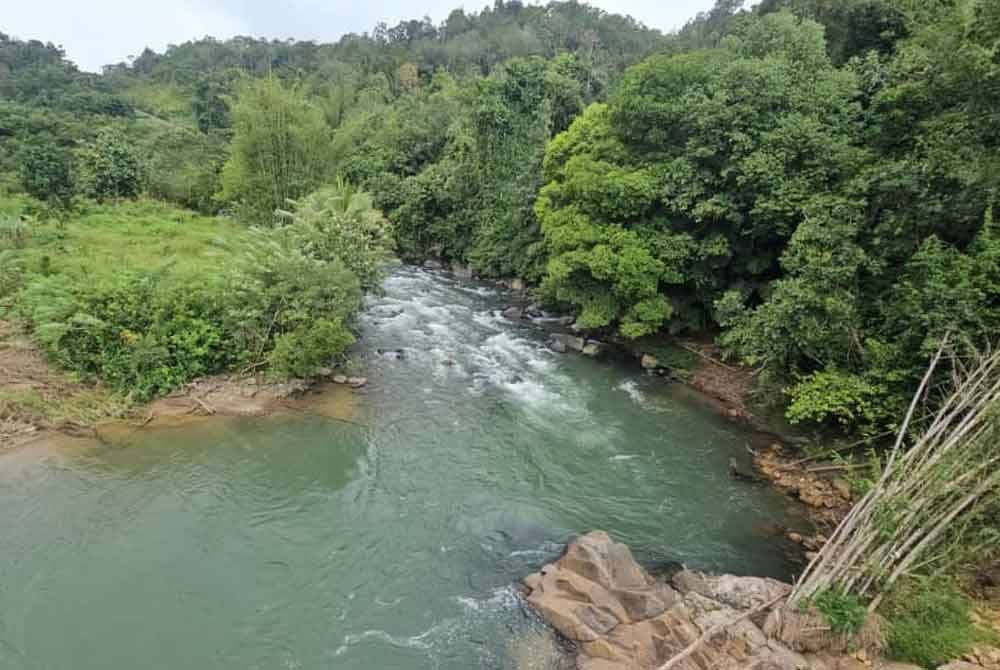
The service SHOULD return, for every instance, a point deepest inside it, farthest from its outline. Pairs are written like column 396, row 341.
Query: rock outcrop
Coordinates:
column 621, row 618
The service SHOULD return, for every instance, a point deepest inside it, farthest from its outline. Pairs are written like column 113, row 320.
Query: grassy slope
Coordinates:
column 98, row 239
column 144, row 234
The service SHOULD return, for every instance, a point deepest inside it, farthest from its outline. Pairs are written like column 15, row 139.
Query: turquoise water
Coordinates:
column 391, row 541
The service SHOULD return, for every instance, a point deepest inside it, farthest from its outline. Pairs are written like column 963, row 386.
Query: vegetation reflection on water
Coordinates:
column 391, row 540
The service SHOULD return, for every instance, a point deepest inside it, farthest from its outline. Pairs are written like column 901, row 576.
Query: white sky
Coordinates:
column 101, row 32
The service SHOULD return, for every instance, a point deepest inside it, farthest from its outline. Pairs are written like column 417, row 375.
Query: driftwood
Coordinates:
column 204, row 405
column 715, row 630
column 714, row 361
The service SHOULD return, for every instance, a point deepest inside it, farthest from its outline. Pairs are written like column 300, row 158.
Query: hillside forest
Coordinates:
column 810, row 185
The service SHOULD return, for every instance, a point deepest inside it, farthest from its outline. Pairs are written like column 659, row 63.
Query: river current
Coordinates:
column 387, row 541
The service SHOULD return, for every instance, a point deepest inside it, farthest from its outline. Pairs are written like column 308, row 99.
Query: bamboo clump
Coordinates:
column 924, row 491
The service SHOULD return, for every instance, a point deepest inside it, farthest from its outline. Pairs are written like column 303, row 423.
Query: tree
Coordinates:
column 110, row 167
column 46, row 173
column 279, row 149
column 691, row 181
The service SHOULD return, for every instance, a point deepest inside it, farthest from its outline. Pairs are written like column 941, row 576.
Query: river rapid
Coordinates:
column 389, row 541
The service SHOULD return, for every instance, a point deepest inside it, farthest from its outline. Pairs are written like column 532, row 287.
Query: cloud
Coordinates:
column 101, row 32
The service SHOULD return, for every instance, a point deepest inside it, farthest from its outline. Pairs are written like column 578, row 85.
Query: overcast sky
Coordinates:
column 100, row 32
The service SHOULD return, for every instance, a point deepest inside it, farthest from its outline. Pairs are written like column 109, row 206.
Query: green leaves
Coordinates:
column 279, row 151
column 110, row 168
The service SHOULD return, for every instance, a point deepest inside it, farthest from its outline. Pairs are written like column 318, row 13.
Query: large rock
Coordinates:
column 622, row 619
column 461, row 271
column 513, row 313
column 594, row 349
column 567, row 342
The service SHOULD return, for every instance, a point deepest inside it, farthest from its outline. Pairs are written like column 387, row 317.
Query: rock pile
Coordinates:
column 621, row 618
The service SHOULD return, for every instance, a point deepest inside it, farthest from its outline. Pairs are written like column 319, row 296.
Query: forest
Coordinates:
column 810, row 185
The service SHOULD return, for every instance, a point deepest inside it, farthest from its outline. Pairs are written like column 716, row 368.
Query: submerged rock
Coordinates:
column 432, row 264
column 557, row 345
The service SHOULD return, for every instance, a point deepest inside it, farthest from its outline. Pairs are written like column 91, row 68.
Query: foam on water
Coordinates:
column 631, row 388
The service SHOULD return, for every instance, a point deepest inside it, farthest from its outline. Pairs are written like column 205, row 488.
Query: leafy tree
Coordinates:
column 695, row 176
column 279, row 148
column 47, row 174
column 110, row 167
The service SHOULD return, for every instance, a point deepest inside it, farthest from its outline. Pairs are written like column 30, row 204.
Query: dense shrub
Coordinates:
column 143, row 333
column 110, row 167
column 929, row 623
column 46, row 173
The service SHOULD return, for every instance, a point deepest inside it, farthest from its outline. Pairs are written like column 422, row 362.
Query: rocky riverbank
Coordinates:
column 618, row 617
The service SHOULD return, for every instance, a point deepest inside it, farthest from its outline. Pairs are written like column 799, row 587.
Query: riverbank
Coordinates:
column 39, row 402
column 617, row 616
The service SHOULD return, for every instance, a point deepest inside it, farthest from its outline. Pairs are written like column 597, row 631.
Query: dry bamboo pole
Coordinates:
column 947, row 450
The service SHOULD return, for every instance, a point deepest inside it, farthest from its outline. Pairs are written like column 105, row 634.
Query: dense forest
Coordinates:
column 810, row 184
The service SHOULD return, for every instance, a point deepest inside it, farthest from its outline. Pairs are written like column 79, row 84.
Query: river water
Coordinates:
column 389, row 541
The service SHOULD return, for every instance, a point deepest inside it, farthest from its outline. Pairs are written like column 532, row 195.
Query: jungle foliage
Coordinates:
column 811, row 183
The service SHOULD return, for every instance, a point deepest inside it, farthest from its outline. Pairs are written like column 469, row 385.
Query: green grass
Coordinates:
column 930, row 623
column 85, row 405
column 142, row 234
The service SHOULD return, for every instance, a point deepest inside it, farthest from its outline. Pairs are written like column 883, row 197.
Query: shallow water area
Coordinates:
column 384, row 537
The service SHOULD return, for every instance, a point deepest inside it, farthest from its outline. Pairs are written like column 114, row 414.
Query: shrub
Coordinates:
column 301, row 352
column 835, row 397
column 844, row 611
column 280, row 298
column 110, row 167
column 929, row 623
column 46, row 173
column 143, row 333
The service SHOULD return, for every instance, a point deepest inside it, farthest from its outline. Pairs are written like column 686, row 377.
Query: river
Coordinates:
column 390, row 541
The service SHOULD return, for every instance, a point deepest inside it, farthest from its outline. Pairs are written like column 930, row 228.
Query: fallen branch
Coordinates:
column 829, row 468
column 204, row 405
column 715, row 630
column 708, row 358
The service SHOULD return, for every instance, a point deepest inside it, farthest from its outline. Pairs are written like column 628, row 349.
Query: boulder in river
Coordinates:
column 513, row 312
column 433, row 264
column 461, row 271
column 564, row 342
column 557, row 345
column 517, row 284
column 357, row 382
column 621, row 618
column 594, row 349
column 649, row 362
